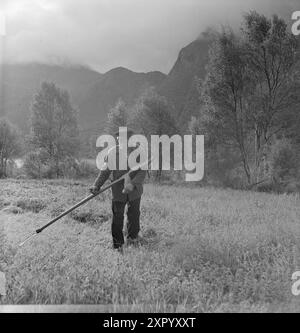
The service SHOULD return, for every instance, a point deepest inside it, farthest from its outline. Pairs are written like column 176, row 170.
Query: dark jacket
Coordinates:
column 137, row 181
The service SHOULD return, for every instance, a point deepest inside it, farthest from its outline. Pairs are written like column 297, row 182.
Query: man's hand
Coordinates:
column 94, row 189
column 128, row 186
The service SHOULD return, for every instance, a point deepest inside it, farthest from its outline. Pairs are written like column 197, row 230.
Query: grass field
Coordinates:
column 209, row 250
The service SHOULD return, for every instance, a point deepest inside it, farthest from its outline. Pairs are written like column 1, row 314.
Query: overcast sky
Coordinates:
column 142, row 35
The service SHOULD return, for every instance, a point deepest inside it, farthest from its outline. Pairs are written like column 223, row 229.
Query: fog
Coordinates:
column 142, row 35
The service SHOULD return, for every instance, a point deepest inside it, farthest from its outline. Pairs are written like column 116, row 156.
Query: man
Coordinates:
column 124, row 193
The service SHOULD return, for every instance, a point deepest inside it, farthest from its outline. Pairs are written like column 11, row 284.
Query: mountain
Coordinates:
column 93, row 93
column 19, row 83
column 180, row 86
column 115, row 84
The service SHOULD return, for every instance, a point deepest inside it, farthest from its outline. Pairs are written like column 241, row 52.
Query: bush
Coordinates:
column 270, row 186
column 32, row 205
column 11, row 169
column 283, row 160
column 235, row 179
column 273, row 186
column 72, row 168
column 86, row 169
column 9, row 145
column 292, row 187
column 35, row 164
column 223, row 169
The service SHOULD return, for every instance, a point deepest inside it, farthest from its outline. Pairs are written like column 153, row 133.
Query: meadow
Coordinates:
column 209, row 250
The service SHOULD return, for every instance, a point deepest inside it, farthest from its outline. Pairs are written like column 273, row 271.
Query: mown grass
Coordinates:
column 214, row 250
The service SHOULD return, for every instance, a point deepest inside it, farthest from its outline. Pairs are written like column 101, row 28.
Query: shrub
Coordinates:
column 86, row 169
column 33, row 205
column 9, row 145
column 283, row 160
column 269, row 186
column 35, row 164
column 223, row 169
column 292, row 187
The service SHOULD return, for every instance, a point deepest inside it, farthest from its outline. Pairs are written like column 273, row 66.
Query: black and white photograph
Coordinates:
column 150, row 158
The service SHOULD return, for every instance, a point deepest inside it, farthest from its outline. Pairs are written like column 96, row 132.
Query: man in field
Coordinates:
column 124, row 193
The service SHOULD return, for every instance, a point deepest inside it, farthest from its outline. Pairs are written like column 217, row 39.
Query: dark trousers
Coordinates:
column 133, row 224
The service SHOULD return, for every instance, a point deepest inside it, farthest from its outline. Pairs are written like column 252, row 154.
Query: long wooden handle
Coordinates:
column 82, row 202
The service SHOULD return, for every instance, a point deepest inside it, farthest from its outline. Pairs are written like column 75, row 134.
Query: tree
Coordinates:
column 117, row 117
column 9, row 144
column 35, row 164
column 152, row 115
column 226, row 90
column 54, row 125
column 272, row 56
column 252, row 87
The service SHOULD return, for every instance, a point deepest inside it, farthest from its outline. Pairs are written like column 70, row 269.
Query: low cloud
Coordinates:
column 142, row 35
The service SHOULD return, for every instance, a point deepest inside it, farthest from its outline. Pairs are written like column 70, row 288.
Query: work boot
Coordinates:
column 119, row 249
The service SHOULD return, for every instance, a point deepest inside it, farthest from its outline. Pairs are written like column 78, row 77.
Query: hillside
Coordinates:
column 21, row 81
column 180, row 84
column 115, row 84
column 93, row 93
